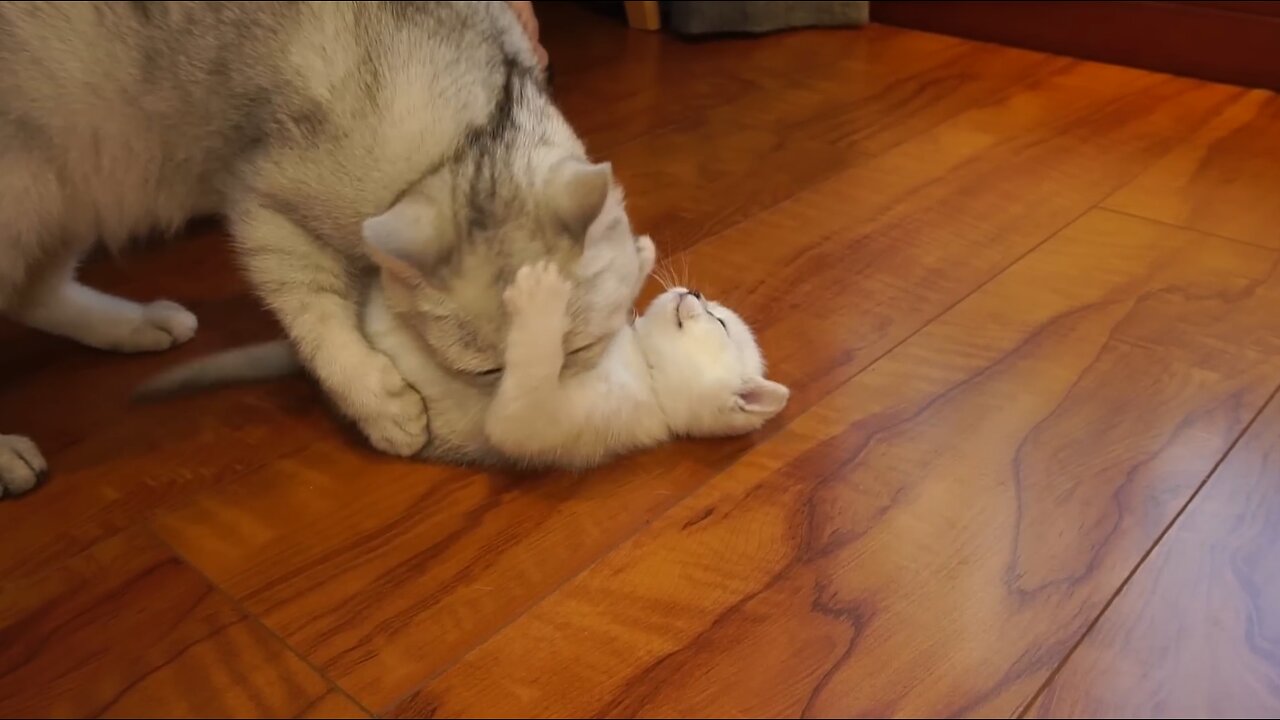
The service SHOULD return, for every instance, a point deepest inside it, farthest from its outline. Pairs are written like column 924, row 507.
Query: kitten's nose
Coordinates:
column 688, row 305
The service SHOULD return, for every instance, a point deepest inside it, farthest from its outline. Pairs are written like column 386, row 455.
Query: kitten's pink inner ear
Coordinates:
column 759, row 395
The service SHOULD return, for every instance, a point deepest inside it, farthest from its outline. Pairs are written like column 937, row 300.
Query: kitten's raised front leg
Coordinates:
column 648, row 255
column 538, row 303
column 309, row 288
column 21, row 465
column 528, row 417
column 57, row 304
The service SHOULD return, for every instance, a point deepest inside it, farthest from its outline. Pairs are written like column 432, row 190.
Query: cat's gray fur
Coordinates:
column 458, row 403
column 302, row 123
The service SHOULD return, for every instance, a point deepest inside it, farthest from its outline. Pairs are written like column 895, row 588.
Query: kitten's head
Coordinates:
column 708, row 371
column 448, row 249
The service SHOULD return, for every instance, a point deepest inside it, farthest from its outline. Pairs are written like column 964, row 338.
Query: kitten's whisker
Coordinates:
column 664, row 275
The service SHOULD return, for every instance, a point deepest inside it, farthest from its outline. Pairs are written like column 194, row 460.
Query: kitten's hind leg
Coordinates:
column 21, row 465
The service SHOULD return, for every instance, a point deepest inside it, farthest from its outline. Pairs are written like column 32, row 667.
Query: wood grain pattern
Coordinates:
column 127, row 630
column 960, row 482
column 1194, row 633
column 839, row 274
column 644, row 15
column 1224, row 180
column 333, row 705
column 415, row 565
column 773, row 143
column 115, row 462
column 636, row 83
column 931, row 538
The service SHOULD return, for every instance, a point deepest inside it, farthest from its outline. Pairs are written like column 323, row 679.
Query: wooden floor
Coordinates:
column 1030, row 312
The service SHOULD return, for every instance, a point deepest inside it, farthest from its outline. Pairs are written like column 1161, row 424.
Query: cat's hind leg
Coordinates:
column 38, row 288
column 57, row 303
column 38, row 256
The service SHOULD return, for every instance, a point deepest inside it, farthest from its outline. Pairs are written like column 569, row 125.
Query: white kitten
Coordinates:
column 687, row 367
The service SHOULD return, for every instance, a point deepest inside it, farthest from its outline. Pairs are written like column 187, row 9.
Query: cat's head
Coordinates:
column 707, row 368
column 445, row 263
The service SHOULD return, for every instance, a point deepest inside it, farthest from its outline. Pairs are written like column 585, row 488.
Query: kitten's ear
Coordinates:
column 401, row 240
column 759, row 396
column 577, row 192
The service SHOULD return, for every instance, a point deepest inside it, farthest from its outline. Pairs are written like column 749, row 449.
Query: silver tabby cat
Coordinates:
column 302, row 123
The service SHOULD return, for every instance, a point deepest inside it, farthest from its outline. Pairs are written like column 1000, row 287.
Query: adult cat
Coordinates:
column 300, row 122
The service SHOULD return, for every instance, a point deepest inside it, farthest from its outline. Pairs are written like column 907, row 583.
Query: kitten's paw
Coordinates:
column 648, row 254
column 159, row 326
column 538, row 289
column 391, row 414
column 21, row 465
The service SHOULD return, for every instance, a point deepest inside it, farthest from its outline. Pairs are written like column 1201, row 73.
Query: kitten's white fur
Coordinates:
column 687, row 367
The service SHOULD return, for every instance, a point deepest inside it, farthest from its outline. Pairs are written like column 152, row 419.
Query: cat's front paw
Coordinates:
column 21, row 465
column 390, row 413
column 159, row 325
column 539, row 289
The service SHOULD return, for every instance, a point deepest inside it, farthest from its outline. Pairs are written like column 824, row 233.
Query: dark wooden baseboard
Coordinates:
column 1229, row 42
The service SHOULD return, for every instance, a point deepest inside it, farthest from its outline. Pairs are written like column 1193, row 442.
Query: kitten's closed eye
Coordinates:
column 583, row 349
column 483, row 378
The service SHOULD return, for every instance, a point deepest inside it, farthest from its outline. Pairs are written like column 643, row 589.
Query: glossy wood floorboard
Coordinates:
column 1194, row 633
column 1026, row 305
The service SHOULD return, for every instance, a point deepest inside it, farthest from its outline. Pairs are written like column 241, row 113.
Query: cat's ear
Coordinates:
column 576, row 193
column 759, row 396
column 401, row 240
